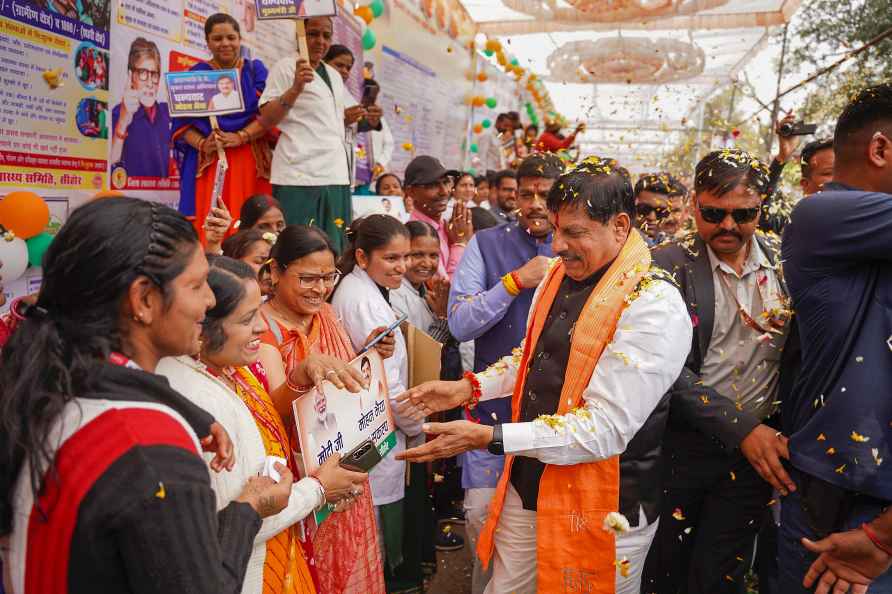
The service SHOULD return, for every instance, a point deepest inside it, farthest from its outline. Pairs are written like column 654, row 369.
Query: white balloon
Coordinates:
column 14, row 256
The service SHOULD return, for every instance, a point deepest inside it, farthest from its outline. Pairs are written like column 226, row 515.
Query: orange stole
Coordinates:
column 285, row 570
column 574, row 551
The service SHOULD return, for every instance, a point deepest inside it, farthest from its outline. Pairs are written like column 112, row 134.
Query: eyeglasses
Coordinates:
column 644, row 211
column 717, row 215
column 309, row 281
column 143, row 74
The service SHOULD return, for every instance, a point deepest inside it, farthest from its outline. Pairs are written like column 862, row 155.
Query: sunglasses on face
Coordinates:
column 644, row 211
column 717, row 215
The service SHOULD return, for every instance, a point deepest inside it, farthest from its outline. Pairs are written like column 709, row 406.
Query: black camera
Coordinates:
column 797, row 129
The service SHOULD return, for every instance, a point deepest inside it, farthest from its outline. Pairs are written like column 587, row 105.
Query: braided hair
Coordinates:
column 104, row 247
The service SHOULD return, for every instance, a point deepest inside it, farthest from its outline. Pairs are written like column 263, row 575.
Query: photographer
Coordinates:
column 775, row 207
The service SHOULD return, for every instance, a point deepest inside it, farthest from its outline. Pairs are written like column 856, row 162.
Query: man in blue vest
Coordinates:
column 492, row 291
column 837, row 254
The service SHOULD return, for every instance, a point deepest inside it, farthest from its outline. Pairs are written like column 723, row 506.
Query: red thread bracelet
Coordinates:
column 476, row 393
column 516, row 278
column 875, row 540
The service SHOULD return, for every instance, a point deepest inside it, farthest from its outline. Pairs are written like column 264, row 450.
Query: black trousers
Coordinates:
column 713, row 506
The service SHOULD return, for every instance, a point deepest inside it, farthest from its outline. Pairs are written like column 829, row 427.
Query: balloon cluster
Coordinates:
column 534, row 86
column 368, row 13
column 23, row 241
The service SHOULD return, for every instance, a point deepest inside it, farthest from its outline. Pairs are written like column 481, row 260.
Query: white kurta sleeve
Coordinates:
column 306, row 495
column 280, row 79
column 635, row 370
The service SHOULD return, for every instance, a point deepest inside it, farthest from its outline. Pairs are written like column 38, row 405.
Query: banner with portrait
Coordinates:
column 331, row 421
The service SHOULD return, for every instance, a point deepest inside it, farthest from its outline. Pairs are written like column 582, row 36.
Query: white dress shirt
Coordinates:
column 637, row 367
column 312, row 149
column 382, row 145
column 186, row 377
column 361, row 308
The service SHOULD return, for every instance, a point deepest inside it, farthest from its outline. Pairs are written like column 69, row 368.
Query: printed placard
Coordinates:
column 204, row 93
column 333, row 421
column 295, row 9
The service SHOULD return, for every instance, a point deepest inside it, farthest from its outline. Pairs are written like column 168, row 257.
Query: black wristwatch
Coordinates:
column 496, row 446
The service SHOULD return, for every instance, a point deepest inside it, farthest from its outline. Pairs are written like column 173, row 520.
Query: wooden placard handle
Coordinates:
column 302, row 40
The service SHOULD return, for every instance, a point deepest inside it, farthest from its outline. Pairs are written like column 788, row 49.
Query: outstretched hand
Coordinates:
column 431, row 397
column 453, row 438
column 847, row 561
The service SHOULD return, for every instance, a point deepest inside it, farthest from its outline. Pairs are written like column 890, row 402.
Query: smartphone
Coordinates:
column 362, row 458
column 370, row 95
column 378, row 338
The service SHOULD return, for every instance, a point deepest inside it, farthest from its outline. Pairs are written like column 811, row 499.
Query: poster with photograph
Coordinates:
column 333, row 421
column 295, row 9
column 204, row 93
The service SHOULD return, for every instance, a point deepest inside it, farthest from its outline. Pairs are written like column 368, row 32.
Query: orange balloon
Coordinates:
column 478, row 128
column 24, row 213
column 108, row 194
column 365, row 13
column 478, row 101
column 482, row 77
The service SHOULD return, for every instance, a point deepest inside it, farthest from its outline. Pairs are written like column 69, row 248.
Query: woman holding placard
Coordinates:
column 240, row 134
column 227, row 381
column 300, row 323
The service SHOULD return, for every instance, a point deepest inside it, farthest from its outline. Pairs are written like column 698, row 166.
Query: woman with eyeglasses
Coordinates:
column 141, row 123
column 299, row 324
column 227, row 380
column 241, row 135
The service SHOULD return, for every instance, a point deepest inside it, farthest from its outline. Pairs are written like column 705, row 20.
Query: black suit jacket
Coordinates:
column 695, row 406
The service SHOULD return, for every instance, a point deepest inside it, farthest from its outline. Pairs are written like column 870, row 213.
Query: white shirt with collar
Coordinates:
column 312, row 149
column 186, row 377
column 361, row 308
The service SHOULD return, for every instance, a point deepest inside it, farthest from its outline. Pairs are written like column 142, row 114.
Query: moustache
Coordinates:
column 565, row 256
column 724, row 232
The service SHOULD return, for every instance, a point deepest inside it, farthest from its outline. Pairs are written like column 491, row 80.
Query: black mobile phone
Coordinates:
column 797, row 129
column 362, row 458
column 381, row 336
column 370, row 95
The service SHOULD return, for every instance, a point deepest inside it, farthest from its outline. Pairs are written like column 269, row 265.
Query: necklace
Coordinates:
column 287, row 317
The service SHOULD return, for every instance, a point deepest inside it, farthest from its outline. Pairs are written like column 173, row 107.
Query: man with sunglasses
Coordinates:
column 837, row 253
column 659, row 206
column 722, row 452
column 429, row 185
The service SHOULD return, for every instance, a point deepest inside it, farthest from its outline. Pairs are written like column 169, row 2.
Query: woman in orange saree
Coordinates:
column 346, row 552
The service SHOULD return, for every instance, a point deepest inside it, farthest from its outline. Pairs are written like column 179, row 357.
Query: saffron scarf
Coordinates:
column 345, row 547
column 574, row 550
column 285, row 571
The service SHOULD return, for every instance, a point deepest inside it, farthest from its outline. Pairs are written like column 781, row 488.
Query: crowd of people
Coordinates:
column 668, row 386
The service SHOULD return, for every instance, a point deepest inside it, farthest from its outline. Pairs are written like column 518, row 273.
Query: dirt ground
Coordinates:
column 453, row 570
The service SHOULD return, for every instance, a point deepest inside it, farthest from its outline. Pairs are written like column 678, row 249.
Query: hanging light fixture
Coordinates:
column 626, row 60
column 609, row 11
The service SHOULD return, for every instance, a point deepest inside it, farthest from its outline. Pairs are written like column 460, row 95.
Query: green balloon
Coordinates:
column 37, row 247
column 491, row 103
column 368, row 39
column 474, row 148
column 515, row 62
column 488, row 53
column 486, row 123
column 377, row 7
column 472, row 171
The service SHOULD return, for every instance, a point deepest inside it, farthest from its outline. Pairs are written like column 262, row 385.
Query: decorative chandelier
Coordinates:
column 609, row 11
column 626, row 60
